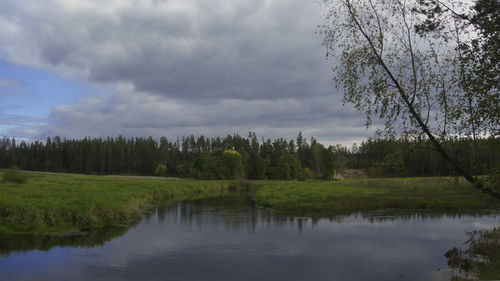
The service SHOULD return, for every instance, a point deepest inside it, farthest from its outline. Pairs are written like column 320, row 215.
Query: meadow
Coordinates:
column 50, row 203
column 422, row 195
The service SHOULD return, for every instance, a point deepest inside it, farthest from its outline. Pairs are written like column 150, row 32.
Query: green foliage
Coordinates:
column 360, row 195
column 256, row 166
column 493, row 178
column 482, row 255
column 449, row 77
column 161, row 169
column 308, row 174
column 393, row 165
column 279, row 159
column 200, row 158
column 13, row 174
column 479, row 55
column 62, row 202
column 288, row 167
column 416, row 157
column 208, row 166
column 232, row 164
column 419, row 86
column 182, row 169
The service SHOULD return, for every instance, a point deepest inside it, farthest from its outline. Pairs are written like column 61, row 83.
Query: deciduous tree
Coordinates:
column 413, row 83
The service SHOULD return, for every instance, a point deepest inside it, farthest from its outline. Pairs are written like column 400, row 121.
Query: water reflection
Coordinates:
column 229, row 238
column 88, row 238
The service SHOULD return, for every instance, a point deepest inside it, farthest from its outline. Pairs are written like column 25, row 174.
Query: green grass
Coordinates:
column 13, row 174
column 64, row 202
column 359, row 195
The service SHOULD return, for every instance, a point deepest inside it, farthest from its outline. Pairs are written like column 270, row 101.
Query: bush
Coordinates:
column 161, row 169
column 308, row 174
column 493, row 179
column 13, row 174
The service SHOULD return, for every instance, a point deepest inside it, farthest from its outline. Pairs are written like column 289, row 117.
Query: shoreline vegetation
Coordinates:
column 50, row 203
column 480, row 259
column 46, row 208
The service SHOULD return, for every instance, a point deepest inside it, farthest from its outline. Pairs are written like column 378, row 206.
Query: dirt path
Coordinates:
column 111, row 176
column 143, row 177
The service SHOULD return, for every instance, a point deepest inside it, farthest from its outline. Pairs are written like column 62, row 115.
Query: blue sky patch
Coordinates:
column 28, row 94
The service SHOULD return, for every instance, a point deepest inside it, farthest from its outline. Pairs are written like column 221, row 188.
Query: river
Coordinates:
column 231, row 239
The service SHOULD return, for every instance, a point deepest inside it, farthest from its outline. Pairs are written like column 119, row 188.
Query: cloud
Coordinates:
column 134, row 114
column 182, row 66
column 251, row 49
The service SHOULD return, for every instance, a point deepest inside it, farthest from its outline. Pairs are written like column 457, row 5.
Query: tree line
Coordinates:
column 390, row 157
column 237, row 157
column 231, row 157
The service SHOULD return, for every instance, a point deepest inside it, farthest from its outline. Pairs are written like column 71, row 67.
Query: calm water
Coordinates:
column 227, row 239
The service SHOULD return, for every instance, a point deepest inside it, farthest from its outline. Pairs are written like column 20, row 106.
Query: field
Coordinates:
column 444, row 195
column 48, row 203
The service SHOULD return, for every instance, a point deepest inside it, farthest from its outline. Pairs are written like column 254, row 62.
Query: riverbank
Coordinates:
column 480, row 259
column 444, row 195
column 54, row 203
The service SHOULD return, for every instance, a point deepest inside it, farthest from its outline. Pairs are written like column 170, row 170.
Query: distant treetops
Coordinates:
column 231, row 157
column 236, row 157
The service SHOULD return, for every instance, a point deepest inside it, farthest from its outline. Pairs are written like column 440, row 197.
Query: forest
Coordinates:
column 237, row 157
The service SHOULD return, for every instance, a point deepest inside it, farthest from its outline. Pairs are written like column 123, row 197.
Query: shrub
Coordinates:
column 161, row 169
column 13, row 174
column 308, row 174
column 493, row 179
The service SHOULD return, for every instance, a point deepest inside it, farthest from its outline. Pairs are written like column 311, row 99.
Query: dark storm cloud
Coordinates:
column 204, row 49
column 183, row 67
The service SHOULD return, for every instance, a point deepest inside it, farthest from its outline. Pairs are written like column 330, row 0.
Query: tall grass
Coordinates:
column 360, row 195
column 481, row 256
column 57, row 202
column 13, row 174
column 64, row 202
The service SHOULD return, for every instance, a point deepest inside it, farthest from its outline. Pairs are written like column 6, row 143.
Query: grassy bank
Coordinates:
column 63, row 202
column 359, row 195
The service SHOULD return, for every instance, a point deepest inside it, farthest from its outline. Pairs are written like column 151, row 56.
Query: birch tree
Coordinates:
column 411, row 82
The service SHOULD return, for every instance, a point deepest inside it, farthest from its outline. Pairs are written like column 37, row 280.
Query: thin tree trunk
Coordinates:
column 460, row 170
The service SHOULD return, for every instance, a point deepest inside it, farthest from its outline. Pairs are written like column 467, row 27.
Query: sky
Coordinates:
column 138, row 68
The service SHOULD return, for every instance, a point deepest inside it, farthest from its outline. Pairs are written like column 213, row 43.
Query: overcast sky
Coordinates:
column 98, row 68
